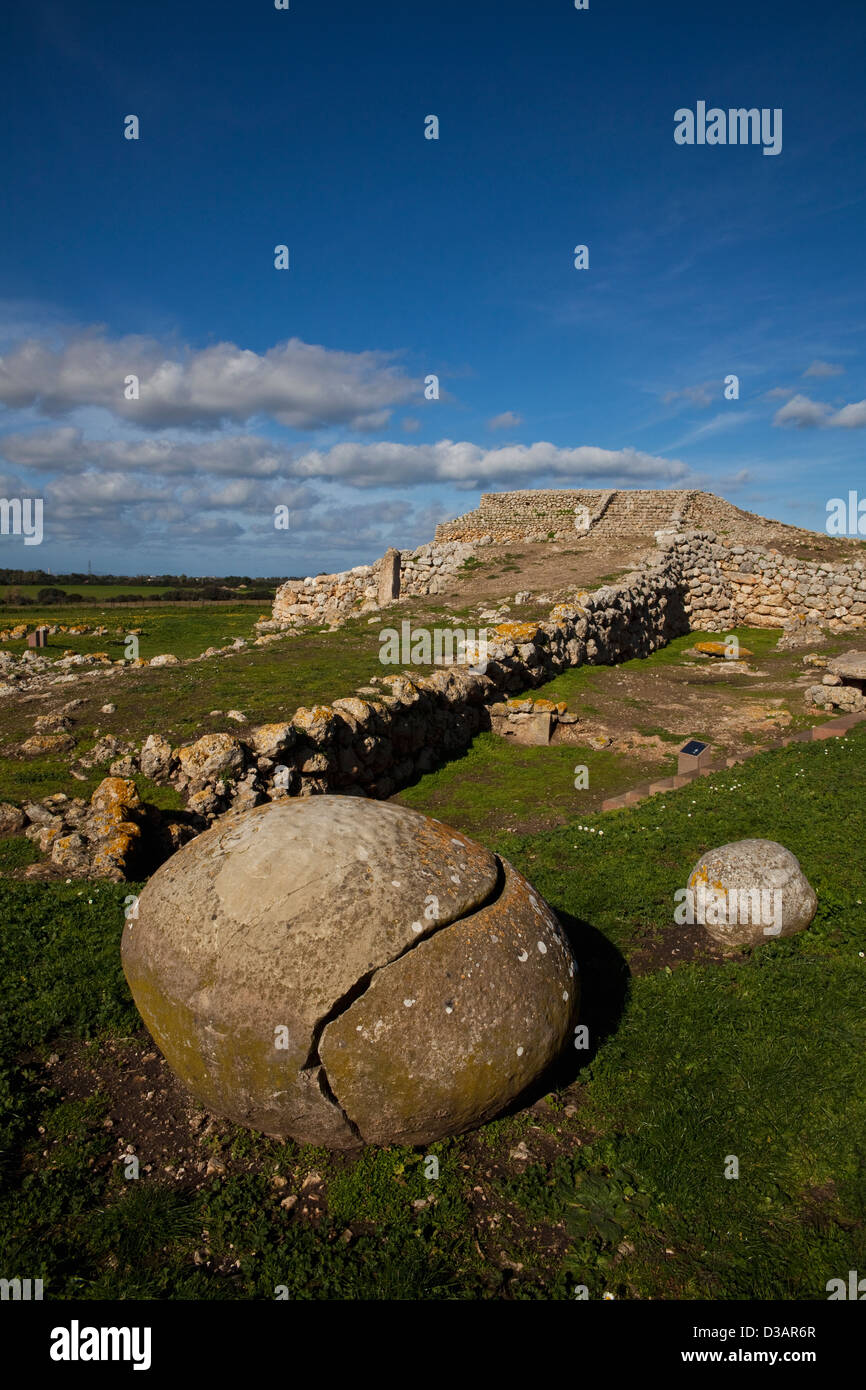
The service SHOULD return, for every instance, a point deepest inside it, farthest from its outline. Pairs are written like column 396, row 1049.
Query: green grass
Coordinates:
column 266, row 684
column 577, row 680
column 16, row 852
column 496, row 784
column 801, row 796
column 183, row 629
column 761, row 1058
column 22, row 779
column 655, row 731
column 762, row 1062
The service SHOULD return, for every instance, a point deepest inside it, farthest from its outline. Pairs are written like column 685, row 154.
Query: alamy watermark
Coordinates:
column 22, row 516
column 855, row 1288
column 846, row 518
column 736, row 126
column 21, row 1290
column 719, row 907
column 77, row 1343
column 443, row 646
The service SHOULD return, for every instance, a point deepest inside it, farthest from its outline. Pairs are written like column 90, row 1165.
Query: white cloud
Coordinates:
column 779, row 393
column 802, row 412
column 137, row 496
column 805, row 413
column 377, row 464
column 298, row 384
column 819, row 368
column 851, row 417
column 469, row 465
column 508, row 420
column 725, row 420
column 66, row 450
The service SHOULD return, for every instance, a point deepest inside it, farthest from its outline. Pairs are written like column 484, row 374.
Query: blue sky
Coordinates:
column 409, row 257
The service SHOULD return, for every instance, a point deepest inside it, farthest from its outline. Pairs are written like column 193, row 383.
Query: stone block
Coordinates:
column 388, row 586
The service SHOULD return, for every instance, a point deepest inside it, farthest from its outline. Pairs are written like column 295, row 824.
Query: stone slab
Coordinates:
column 532, row 729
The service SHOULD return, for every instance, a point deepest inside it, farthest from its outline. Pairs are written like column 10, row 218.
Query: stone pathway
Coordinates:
column 834, row 728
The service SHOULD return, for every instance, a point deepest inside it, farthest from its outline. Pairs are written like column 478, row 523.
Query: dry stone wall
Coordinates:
column 328, row 598
column 725, row 585
column 529, row 515
column 374, row 742
column 754, row 580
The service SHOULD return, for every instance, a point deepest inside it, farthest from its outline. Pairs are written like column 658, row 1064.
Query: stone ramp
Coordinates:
column 642, row 512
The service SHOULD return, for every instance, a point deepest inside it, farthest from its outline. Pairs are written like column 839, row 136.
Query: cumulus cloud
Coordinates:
column 141, row 495
column 469, row 465
column 506, row 421
column 67, row 450
column 779, row 393
column 851, row 417
column 819, row 368
column 377, row 464
column 298, row 384
column 805, row 414
column 802, row 412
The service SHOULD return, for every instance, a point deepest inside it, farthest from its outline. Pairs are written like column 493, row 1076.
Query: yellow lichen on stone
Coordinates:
column 721, row 649
column 313, row 721
column 115, row 795
column 518, row 632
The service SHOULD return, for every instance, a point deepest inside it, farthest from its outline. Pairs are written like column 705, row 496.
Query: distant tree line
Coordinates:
column 177, row 588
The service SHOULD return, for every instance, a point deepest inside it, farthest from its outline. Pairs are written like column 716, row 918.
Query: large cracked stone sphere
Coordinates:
column 343, row 971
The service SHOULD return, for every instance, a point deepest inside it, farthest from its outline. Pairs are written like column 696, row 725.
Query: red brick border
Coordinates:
column 818, row 733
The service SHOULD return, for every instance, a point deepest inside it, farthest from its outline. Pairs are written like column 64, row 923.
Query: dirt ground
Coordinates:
column 651, row 708
column 553, row 568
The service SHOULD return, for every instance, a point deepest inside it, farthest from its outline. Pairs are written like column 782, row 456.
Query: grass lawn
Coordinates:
column 580, row 680
column 691, row 1061
column 184, row 629
column 265, row 683
column 497, row 785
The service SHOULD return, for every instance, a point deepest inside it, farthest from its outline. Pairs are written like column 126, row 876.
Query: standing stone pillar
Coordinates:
column 389, row 577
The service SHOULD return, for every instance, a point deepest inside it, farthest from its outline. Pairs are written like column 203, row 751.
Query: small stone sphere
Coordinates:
column 344, row 972
column 751, row 891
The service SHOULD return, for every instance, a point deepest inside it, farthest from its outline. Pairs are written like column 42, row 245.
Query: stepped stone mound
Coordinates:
column 345, row 971
column 567, row 513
